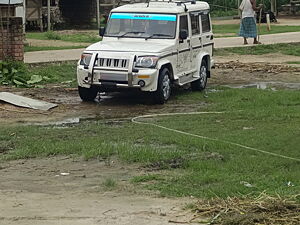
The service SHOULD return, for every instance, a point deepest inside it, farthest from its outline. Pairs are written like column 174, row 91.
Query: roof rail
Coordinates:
column 179, row 2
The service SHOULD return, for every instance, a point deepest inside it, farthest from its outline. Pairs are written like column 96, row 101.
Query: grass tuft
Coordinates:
column 109, row 184
column 51, row 35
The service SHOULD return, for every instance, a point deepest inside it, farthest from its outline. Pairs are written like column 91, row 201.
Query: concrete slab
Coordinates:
column 25, row 102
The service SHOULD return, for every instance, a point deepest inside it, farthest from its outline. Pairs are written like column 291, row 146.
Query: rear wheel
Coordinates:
column 200, row 84
column 163, row 92
column 87, row 94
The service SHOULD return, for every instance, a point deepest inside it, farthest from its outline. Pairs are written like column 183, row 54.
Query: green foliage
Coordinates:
column 51, row 35
column 61, row 72
column 223, row 13
column 18, row 74
column 293, row 62
column 49, row 48
column 79, row 37
column 13, row 73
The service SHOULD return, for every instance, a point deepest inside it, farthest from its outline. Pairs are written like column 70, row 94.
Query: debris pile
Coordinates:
column 262, row 210
column 257, row 67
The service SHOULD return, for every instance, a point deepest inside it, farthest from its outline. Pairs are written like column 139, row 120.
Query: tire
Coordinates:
column 87, row 94
column 163, row 92
column 200, row 84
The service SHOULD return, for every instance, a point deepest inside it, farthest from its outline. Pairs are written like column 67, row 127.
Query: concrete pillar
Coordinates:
column 49, row 15
column 24, row 16
column 273, row 6
column 98, row 13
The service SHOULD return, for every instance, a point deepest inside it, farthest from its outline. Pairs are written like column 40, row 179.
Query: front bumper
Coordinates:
column 113, row 78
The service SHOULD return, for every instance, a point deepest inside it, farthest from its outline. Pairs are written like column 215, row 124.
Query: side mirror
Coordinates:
column 101, row 31
column 183, row 34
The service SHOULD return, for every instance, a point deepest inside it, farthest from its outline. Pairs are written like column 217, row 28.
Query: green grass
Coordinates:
column 262, row 119
column 48, row 48
column 55, row 72
column 76, row 37
column 223, row 13
column 234, row 28
column 109, row 184
column 293, row 62
column 286, row 49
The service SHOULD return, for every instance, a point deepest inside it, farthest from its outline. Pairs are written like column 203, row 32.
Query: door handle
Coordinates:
column 208, row 36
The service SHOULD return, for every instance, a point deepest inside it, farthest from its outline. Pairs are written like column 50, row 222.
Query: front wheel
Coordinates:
column 200, row 84
column 87, row 94
column 163, row 92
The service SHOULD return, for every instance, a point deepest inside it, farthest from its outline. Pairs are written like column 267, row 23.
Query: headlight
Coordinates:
column 85, row 59
column 146, row 61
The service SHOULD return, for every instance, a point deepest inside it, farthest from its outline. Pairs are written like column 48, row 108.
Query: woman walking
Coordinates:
column 248, row 24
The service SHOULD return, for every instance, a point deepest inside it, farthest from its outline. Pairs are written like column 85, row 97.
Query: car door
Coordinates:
column 184, row 48
column 206, row 33
column 196, row 40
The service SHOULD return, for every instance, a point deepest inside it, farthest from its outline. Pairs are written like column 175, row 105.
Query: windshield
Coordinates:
column 141, row 25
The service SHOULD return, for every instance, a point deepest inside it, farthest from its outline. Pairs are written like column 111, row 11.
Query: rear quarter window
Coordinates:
column 195, row 23
column 205, row 21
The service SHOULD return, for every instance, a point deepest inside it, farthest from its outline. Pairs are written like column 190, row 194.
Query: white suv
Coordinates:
column 150, row 46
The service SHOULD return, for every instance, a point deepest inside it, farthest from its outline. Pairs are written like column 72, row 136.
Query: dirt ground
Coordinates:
column 65, row 190
column 69, row 191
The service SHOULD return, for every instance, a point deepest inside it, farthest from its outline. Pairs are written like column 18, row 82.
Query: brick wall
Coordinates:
column 11, row 39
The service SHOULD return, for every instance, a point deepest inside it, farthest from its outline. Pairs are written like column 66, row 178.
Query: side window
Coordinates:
column 205, row 23
column 195, row 24
column 184, row 23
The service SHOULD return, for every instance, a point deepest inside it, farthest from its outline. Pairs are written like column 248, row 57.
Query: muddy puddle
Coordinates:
column 115, row 108
column 267, row 85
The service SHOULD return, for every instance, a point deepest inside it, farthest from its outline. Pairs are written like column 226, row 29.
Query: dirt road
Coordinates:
column 34, row 192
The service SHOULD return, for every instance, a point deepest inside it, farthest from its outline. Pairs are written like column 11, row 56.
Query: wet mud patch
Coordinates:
column 116, row 107
column 166, row 164
column 182, row 161
column 113, row 107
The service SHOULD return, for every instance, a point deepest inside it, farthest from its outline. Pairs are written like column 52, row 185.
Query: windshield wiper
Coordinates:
column 131, row 32
column 159, row 35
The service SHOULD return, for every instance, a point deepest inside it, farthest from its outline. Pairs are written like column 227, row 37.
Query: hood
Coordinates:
column 131, row 46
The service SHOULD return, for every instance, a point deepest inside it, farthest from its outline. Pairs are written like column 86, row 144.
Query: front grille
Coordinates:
column 113, row 63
